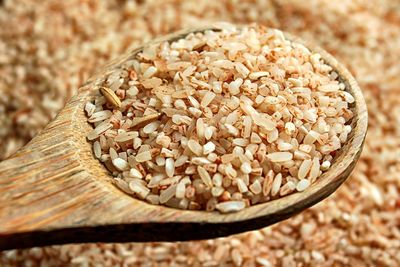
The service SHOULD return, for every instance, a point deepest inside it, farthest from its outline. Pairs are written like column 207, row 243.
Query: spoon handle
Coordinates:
column 38, row 185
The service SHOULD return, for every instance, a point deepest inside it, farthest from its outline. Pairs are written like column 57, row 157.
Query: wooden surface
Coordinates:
column 54, row 191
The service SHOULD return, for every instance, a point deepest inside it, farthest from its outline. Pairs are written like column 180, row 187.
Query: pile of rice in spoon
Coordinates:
column 220, row 119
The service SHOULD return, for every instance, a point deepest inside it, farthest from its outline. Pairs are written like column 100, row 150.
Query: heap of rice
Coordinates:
column 219, row 120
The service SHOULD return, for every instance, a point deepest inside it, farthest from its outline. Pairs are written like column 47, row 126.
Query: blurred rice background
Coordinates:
column 48, row 48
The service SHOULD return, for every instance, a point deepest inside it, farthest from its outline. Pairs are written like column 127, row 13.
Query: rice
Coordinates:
column 242, row 187
column 169, row 167
column 143, row 157
column 205, row 176
column 304, row 168
column 135, row 173
column 180, row 190
column 208, row 148
column 97, row 149
column 208, row 97
column 230, row 206
column 139, row 189
column 151, row 127
column 276, row 184
column 235, row 115
column 167, row 194
column 120, row 164
column 347, row 229
column 256, row 187
column 246, row 167
column 195, row 147
column 302, row 185
column 280, row 156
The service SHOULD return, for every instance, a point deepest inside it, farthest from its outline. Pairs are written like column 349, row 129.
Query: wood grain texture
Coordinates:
column 53, row 191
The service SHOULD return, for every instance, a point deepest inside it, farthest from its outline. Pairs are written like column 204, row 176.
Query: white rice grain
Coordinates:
column 276, row 184
column 280, row 156
column 169, row 167
column 120, row 164
column 230, row 206
column 302, row 185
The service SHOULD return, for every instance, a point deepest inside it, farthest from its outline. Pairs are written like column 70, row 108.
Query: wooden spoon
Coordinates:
column 54, row 191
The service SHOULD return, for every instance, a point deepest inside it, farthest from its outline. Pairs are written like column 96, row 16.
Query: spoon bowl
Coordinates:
column 54, row 191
